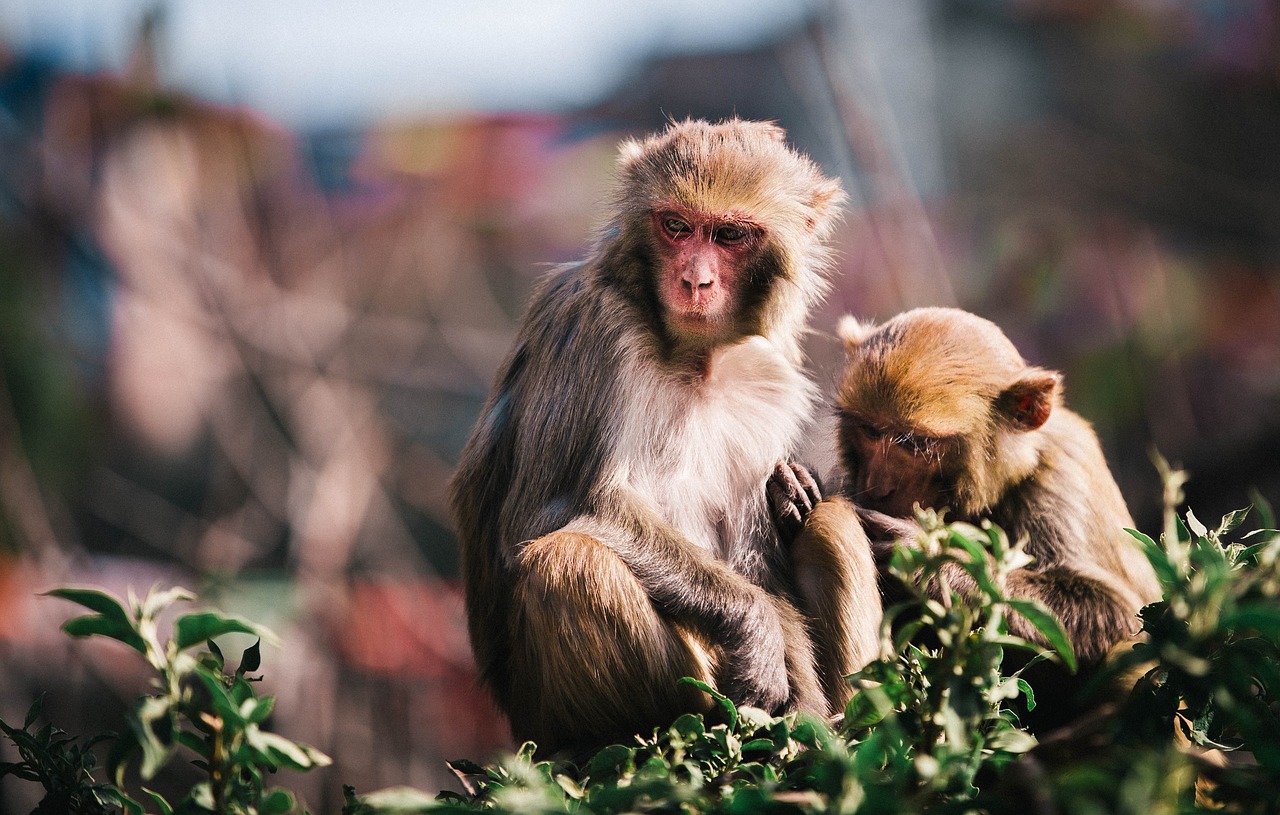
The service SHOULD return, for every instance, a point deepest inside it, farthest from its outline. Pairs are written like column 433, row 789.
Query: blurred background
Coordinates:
column 259, row 262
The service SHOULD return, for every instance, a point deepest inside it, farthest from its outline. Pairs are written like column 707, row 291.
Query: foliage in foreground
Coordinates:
column 930, row 728
column 196, row 708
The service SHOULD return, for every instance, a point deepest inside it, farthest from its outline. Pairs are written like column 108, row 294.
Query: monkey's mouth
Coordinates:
column 697, row 320
column 696, row 307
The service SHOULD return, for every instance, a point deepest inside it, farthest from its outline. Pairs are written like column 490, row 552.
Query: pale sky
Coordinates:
column 310, row 62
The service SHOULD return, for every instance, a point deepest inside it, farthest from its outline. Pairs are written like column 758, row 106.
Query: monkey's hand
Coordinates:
column 755, row 670
column 884, row 531
column 793, row 492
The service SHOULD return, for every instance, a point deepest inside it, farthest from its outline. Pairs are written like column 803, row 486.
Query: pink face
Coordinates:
column 702, row 262
column 890, row 472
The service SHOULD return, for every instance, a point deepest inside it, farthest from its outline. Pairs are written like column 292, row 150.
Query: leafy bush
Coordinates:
column 930, row 728
column 197, row 706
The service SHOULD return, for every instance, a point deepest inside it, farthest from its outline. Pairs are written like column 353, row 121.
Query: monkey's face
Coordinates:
column 702, row 258
column 891, row 470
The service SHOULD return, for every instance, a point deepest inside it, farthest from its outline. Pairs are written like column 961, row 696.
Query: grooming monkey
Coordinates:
column 937, row 408
column 611, row 504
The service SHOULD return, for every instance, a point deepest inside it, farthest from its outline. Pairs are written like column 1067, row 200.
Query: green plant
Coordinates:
column 933, row 717
column 922, row 725
column 1212, row 650
column 196, row 705
column 64, row 768
column 929, row 729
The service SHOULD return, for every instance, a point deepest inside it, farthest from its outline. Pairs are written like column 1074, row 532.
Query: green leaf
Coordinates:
column 94, row 600
column 1193, row 523
column 194, row 742
column 153, row 724
column 571, row 788
column 127, row 804
column 976, row 566
column 1166, row 571
column 1264, row 618
column 89, row 626
column 159, row 801
column 1047, row 624
column 1028, row 693
column 251, row 659
column 276, row 802
column 193, row 629
column 219, row 700
column 689, row 726
column 33, row 713
column 466, row 766
column 812, row 731
column 1012, row 740
column 1266, row 515
column 110, row 621
column 285, row 752
column 217, row 653
column 610, row 760
column 727, row 707
column 1232, row 520
column 256, row 711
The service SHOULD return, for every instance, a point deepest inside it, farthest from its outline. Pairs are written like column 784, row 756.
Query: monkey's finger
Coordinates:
column 887, row 524
column 787, row 515
column 791, row 479
column 807, row 483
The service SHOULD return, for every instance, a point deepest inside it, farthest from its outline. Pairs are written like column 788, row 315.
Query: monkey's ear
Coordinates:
column 825, row 204
column 853, row 331
column 1028, row 402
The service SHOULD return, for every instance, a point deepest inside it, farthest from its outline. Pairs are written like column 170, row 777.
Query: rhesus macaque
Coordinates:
column 937, row 408
column 611, row 503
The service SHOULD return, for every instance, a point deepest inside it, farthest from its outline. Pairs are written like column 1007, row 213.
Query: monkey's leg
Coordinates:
column 835, row 577
column 592, row 659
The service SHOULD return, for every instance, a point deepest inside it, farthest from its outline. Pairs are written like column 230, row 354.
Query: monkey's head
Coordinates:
column 720, row 231
column 937, row 407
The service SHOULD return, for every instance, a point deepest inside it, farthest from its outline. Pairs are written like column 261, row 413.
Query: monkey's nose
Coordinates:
column 880, row 491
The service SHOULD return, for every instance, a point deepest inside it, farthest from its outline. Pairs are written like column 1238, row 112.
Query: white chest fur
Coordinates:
column 702, row 449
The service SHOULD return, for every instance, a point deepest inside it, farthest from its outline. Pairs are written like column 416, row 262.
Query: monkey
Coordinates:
column 937, row 409
column 611, row 505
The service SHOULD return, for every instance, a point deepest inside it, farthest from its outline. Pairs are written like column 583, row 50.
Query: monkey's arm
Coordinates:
column 1094, row 611
column 755, row 632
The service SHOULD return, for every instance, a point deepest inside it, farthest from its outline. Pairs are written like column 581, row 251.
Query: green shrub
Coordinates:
column 197, row 707
column 929, row 729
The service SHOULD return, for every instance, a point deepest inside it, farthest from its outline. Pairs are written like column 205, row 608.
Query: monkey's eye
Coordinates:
column 675, row 227
column 868, row 430
column 730, row 235
column 916, row 445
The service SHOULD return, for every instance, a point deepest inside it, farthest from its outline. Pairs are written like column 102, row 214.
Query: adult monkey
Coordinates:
column 610, row 504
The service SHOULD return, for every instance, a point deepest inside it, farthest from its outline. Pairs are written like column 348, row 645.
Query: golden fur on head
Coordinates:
column 935, row 370
column 733, row 167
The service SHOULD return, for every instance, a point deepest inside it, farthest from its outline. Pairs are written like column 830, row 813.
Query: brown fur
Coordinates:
column 937, row 407
column 610, row 504
column 833, row 573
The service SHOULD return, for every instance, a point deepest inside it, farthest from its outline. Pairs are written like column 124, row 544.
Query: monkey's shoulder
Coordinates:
column 1070, row 506
column 571, row 316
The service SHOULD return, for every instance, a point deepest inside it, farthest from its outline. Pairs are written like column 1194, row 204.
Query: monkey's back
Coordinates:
column 1073, row 513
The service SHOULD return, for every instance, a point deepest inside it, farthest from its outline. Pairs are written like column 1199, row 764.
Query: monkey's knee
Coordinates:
column 592, row 657
column 833, row 561
column 835, row 576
